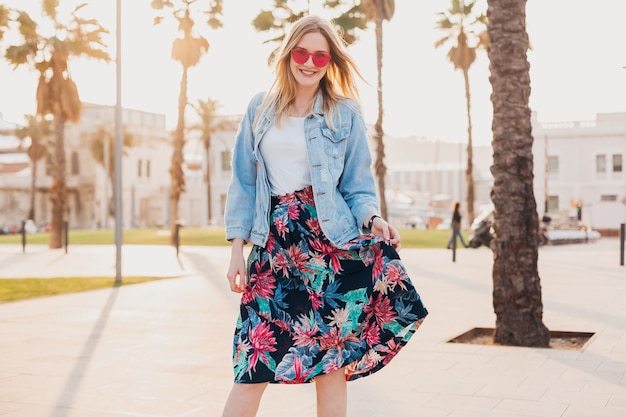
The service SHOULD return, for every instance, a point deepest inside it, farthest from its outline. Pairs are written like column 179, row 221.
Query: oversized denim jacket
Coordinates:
column 340, row 163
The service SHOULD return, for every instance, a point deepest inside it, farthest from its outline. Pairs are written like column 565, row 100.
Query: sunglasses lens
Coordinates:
column 301, row 55
column 320, row 59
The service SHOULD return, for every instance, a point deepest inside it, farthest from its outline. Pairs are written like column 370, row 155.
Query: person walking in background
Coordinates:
column 325, row 296
column 456, row 225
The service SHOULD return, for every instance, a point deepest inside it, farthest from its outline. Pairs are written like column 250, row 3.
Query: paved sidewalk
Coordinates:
column 162, row 349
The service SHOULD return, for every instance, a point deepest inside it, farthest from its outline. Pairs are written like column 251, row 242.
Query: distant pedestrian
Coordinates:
column 325, row 296
column 456, row 225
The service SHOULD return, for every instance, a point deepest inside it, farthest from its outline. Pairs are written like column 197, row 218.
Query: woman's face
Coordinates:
column 314, row 48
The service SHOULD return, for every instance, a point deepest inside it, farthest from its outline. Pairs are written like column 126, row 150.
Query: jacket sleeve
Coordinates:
column 241, row 194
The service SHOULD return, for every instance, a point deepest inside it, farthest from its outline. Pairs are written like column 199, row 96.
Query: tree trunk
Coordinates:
column 379, row 165
column 58, row 189
column 469, row 171
column 176, row 168
column 516, row 283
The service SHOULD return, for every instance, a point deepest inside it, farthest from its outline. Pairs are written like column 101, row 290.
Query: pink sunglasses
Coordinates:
column 301, row 55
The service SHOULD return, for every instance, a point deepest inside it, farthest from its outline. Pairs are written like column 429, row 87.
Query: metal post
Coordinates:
column 177, row 237
column 106, row 148
column 118, row 146
column 454, row 231
column 66, row 234
column 621, row 243
column 546, row 174
column 23, row 231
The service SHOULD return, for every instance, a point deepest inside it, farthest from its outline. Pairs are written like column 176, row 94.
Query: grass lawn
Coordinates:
column 15, row 289
column 203, row 236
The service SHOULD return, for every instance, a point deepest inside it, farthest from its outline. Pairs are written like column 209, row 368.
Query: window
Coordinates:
column 600, row 163
column 225, row 155
column 553, row 164
column 148, row 168
column 139, row 168
column 608, row 197
column 49, row 164
column 617, row 162
column 74, row 165
column 553, row 203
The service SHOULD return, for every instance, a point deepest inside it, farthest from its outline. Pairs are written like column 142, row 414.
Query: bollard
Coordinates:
column 23, row 231
column 177, row 237
column 454, row 231
column 66, row 227
column 622, row 228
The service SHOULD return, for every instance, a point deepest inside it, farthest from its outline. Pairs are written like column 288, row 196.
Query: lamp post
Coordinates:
column 623, row 224
column 546, row 173
column 107, row 175
column 118, row 144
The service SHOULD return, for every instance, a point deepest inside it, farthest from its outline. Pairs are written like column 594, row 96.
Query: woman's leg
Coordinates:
column 461, row 238
column 332, row 394
column 244, row 400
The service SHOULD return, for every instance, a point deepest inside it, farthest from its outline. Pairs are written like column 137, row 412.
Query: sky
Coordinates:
column 577, row 61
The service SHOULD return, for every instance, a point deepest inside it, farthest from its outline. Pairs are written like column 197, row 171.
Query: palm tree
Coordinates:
column 38, row 130
column 57, row 94
column 377, row 11
column 102, row 146
column 357, row 16
column 210, row 123
column 4, row 20
column 187, row 50
column 516, row 284
column 466, row 31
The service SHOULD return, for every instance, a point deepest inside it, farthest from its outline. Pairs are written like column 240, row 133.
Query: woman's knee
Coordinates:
column 332, row 379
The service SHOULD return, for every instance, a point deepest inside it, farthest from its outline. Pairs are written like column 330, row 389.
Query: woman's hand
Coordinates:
column 389, row 234
column 237, row 274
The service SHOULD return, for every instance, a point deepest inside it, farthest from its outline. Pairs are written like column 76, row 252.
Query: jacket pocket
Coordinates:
column 335, row 142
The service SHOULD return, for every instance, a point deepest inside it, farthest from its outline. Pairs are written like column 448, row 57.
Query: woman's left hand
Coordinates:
column 389, row 234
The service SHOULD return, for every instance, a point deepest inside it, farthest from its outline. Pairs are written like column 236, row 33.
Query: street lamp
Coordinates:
column 118, row 144
column 623, row 225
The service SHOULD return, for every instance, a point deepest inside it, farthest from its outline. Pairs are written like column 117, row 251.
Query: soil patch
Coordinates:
column 558, row 339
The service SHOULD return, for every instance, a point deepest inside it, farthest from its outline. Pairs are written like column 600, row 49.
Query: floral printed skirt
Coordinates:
column 312, row 308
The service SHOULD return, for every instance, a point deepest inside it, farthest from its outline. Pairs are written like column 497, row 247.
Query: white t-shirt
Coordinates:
column 284, row 151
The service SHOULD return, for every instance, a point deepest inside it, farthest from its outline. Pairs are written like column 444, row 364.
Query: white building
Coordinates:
column 145, row 174
column 582, row 163
column 574, row 163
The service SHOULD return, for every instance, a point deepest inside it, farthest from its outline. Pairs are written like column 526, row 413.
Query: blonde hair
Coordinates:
column 338, row 83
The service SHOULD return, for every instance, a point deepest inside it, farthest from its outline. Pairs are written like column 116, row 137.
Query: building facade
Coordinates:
column 578, row 168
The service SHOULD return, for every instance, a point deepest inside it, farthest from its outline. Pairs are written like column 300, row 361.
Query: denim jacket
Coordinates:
column 340, row 164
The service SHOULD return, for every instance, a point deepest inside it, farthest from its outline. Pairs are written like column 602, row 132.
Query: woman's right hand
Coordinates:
column 237, row 274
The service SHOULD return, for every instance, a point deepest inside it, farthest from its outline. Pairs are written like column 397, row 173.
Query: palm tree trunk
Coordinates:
column 379, row 165
column 58, row 189
column 516, row 283
column 176, row 168
column 469, row 170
